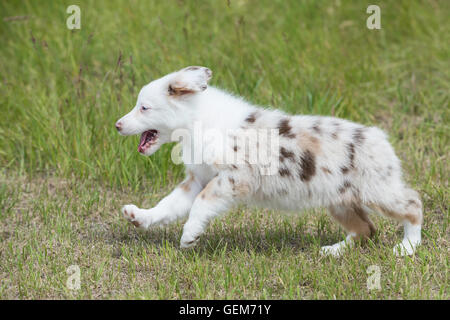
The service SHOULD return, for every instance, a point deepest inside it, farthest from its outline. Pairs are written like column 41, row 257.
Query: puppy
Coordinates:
column 307, row 162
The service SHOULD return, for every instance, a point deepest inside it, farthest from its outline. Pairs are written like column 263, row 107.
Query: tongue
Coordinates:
column 143, row 140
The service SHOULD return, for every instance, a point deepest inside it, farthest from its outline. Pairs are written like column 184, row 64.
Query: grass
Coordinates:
column 66, row 172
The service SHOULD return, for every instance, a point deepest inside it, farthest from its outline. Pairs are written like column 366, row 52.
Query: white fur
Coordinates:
column 327, row 162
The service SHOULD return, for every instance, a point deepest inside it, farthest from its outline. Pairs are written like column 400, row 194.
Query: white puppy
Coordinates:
column 313, row 161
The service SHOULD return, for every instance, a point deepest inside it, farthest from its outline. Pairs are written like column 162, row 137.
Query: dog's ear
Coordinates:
column 189, row 80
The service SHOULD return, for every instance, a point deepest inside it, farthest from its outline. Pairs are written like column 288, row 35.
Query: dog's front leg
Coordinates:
column 174, row 206
column 217, row 197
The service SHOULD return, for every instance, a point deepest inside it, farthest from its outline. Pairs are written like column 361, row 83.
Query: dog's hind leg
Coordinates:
column 405, row 207
column 174, row 206
column 355, row 220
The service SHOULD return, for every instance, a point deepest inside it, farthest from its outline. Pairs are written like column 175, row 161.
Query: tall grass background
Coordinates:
column 62, row 90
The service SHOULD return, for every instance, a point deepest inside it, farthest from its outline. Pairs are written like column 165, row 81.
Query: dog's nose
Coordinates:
column 118, row 125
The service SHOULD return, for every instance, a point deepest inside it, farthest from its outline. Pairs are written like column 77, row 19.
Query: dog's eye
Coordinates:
column 143, row 108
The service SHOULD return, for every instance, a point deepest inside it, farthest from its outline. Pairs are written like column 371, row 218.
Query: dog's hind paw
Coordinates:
column 406, row 248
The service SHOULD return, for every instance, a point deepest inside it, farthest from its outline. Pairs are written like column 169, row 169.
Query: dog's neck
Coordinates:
column 216, row 109
column 212, row 112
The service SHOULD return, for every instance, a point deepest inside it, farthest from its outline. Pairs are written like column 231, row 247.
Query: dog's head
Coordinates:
column 163, row 106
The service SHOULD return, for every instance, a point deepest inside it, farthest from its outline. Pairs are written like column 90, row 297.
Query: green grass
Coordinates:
column 66, row 172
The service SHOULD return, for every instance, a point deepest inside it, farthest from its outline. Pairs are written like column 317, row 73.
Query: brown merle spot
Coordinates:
column 309, row 142
column 307, row 166
column 251, row 117
column 286, row 154
column 326, row 170
column 363, row 216
column 413, row 203
column 136, row 224
column 234, row 166
column 231, row 180
column 284, row 129
column 284, row 172
column 186, row 185
column 235, row 148
column 178, row 90
column 334, row 135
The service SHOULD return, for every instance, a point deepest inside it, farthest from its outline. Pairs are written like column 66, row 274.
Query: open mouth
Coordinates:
column 148, row 138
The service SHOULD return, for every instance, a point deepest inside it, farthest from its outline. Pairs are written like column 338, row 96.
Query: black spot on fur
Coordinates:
column 345, row 186
column 284, row 172
column 334, row 135
column 251, row 117
column 351, row 154
column 235, row 148
column 307, row 166
column 191, row 242
column 316, row 127
column 171, row 90
column 389, row 171
column 286, row 154
column 345, row 170
column 234, row 166
column 284, row 129
column 358, row 135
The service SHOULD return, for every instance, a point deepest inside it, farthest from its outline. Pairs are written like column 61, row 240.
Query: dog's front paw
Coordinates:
column 331, row 251
column 337, row 249
column 132, row 214
column 188, row 241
